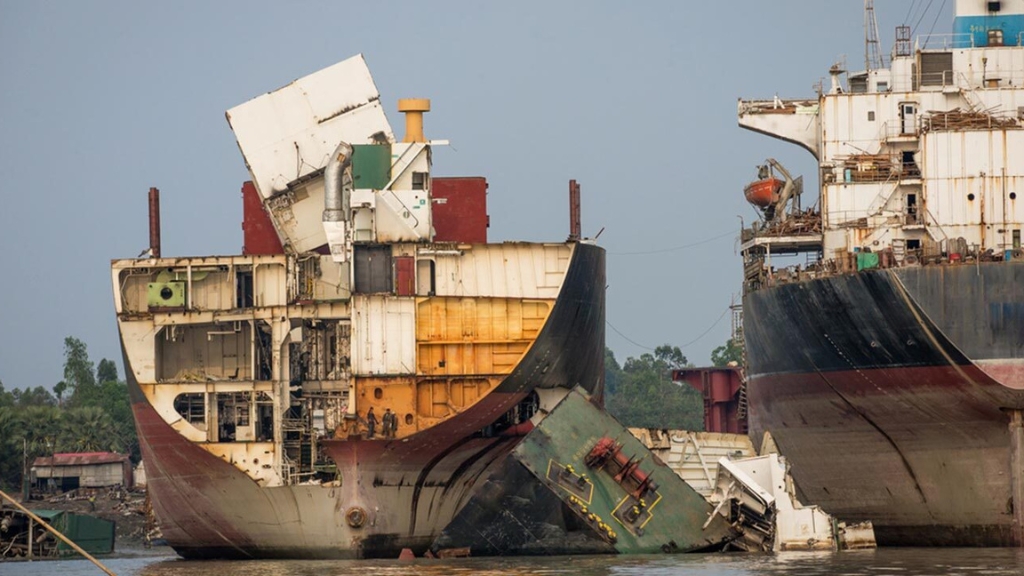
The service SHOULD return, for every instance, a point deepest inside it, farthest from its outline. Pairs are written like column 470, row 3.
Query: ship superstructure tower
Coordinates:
column 889, row 364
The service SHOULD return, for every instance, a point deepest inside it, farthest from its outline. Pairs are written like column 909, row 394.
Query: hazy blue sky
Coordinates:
column 637, row 100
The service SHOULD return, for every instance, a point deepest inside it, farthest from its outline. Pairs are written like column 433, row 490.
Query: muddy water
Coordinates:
column 891, row 561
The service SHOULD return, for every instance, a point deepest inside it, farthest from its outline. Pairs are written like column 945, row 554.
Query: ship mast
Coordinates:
column 872, row 55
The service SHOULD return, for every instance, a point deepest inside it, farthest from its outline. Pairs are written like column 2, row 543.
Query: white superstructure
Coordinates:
column 920, row 159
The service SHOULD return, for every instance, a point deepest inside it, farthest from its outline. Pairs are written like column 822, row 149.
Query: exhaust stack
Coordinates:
column 414, row 109
column 154, row 222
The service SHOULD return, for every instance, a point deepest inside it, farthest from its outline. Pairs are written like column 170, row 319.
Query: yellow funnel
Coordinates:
column 414, row 109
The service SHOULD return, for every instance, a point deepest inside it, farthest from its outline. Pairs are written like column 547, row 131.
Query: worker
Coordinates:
column 371, row 423
column 386, row 421
column 394, row 425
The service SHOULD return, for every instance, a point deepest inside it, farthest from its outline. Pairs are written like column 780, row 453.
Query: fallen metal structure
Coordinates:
column 754, row 493
column 579, row 482
column 757, row 496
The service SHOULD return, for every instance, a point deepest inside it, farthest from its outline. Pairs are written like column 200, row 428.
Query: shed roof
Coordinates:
column 80, row 459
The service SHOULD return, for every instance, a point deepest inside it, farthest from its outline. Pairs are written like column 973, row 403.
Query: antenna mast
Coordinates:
column 872, row 55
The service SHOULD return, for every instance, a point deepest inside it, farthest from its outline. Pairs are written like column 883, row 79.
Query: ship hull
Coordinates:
column 394, row 494
column 888, row 391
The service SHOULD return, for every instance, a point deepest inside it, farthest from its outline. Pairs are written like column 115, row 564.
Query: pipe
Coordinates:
column 336, row 194
column 154, row 222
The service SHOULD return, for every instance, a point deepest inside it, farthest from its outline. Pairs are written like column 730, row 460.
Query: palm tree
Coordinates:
column 88, row 429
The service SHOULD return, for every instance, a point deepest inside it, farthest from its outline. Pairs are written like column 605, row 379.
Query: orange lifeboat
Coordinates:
column 762, row 193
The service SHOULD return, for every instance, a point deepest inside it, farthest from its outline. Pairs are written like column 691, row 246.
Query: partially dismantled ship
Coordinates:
column 366, row 284
column 884, row 327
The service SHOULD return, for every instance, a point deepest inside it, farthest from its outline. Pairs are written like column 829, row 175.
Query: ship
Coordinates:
column 883, row 326
column 366, row 285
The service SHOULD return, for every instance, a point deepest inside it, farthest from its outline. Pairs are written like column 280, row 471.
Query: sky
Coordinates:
column 636, row 100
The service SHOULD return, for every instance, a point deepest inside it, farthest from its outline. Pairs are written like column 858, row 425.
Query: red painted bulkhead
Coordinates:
column 259, row 235
column 721, row 390
column 460, row 209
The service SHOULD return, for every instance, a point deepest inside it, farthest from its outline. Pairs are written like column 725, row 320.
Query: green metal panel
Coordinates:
column 867, row 260
column 673, row 514
column 371, row 166
column 165, row 294
column 94, row 535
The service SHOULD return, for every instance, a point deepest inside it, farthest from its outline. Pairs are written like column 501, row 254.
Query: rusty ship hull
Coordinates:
column 406, row 490
column 907, row 373
column 340, row 388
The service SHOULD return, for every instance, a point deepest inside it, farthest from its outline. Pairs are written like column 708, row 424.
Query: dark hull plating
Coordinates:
column 410, row 489
column 887, row 392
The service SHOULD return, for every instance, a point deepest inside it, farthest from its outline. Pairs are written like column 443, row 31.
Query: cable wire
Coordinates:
column 937, row 14
column 675, row 248
column 691, row 342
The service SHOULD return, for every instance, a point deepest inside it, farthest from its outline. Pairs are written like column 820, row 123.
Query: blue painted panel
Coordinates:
column 967, row 28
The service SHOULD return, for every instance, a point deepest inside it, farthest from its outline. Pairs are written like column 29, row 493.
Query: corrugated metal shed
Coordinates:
column 84, row 469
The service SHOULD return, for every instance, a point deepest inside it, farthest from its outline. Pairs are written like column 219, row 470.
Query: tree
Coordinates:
column 726, row 353
column 642, row 394
column 59, row 389
column 88, row 429
column 96, row 416
column 78, row 369
column 5, row 397
column 37, row 396
column 106, row 371
column 10, row 447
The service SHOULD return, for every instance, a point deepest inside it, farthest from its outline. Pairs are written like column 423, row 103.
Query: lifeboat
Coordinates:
column 761, row 193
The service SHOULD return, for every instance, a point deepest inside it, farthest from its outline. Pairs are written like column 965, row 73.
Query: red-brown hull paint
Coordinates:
column 922, row 452
column 409, row 489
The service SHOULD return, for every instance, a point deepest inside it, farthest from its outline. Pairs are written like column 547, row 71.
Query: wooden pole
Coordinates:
column 54, row 531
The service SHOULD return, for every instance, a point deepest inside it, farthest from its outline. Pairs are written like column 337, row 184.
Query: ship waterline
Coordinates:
column 340, row 388
column 923, row 429
column 884, row 325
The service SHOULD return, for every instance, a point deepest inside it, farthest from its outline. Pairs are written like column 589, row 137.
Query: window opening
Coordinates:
column 419, row 180
column 264, row 417
column 233, row 416
column 191, row 406
column 244, row 289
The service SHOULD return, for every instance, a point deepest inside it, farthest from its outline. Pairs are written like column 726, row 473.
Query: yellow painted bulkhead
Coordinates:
column 465, row 347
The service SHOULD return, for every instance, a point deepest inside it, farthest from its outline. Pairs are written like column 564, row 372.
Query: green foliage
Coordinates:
column 641, row 393
column 78, row 372
column 88, row 429
column 97, row 416
column 106, row 371
column 726, row 353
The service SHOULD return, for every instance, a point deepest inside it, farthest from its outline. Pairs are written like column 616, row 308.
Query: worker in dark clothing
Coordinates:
column 371, row 423
column 386, row 423
column 394, row 424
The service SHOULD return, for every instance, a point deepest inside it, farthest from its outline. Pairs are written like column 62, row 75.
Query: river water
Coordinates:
column 888, row 561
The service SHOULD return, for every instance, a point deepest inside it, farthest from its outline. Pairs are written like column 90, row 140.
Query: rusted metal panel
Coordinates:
column 463, row 336
column 460, row 209
column 575, row 226
column 93, row 469
column 503, row 270
column 154, row 223
column 373, row 269
column 259, row 235
column 720, row 388
column 405, row 276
